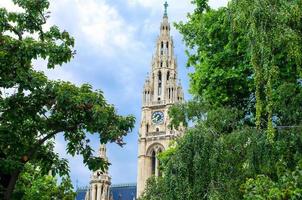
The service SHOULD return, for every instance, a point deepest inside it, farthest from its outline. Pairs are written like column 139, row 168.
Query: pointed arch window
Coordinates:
column 167, row 48
column 172, row 93
column 96, row 190
column 102, row 189
column 168, row 75
column 159, row 82
column 162, row 48
column 153, row 162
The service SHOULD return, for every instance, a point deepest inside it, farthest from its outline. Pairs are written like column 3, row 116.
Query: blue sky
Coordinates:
column 115, row 40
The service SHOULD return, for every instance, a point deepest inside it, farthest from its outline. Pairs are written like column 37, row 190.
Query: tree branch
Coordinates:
column 13, row 29
column 33, row 150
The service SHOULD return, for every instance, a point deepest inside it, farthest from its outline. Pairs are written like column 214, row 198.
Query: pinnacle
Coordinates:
column 166, row 7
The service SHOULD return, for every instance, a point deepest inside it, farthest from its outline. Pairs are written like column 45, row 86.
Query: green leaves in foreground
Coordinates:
column 34, row 185
column 204, row 165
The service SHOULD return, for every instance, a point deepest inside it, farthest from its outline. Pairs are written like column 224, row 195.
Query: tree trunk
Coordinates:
column 11, row 186
column 8, row 191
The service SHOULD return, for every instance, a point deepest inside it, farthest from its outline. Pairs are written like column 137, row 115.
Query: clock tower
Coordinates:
column 161, row 90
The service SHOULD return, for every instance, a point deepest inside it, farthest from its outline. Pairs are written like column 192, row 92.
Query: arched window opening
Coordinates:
column 161, row 64
column 159, row 82
column 153, row 162
column 162, row 48
column 152, row 77
column 147, row 128
column 167, row 47
column 157, row 129
column 168, row 76
column 172, row 93
column 169, row 93
column 95, row 189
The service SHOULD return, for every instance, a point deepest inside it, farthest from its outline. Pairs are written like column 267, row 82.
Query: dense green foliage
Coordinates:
column 246, row 142
column 33, row 109
column 221, row 50
column 34, row 185
column 206, row 165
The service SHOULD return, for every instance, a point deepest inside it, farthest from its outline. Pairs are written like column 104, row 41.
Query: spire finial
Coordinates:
column 166, row 7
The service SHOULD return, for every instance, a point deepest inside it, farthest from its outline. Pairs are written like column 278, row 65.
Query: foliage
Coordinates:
column 207, row 165
column 34, row 109
column 33, row 185
column 289, row 186
column 219, row 54
column 155, row 189
column 273, row 32
column 288, row 104
column 226, row 44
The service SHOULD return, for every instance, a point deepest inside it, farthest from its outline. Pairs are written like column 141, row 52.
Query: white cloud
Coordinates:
column 218, row 3
column 99, row 24
column 59, row 73
column 174, row 6
column 10, row 6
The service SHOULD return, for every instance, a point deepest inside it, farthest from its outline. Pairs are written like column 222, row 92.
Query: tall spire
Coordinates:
column 166, row 7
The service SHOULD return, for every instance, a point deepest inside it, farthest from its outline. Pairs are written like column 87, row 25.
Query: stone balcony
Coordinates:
column 162, row 133
column 158, row 103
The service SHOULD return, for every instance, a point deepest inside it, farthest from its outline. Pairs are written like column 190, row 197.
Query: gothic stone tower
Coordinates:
column 100, row 182
column 161, row 90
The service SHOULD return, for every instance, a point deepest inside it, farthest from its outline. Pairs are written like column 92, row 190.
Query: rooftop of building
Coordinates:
column 119, row 192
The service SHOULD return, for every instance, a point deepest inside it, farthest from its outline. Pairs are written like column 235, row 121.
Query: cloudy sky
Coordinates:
column 115, row 40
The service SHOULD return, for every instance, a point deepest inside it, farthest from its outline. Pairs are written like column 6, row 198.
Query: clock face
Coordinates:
column 158, row 117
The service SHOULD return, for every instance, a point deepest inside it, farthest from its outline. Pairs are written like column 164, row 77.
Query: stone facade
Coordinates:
column 161, row 90
column 100, row 182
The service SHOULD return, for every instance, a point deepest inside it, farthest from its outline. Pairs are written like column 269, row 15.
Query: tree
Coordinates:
column 288, row 186
column 224, row 161
column 33, row 109
column 219, row 55
column 273, row 31
column 34, row 185
column 244, row 54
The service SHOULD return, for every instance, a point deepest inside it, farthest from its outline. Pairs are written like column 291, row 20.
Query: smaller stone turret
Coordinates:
column 100, row 181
